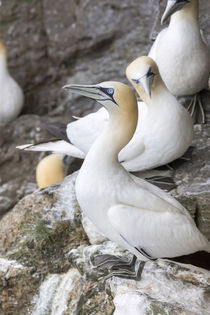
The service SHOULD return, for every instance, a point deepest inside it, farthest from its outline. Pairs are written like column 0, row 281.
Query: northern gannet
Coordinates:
column 128, row 210
column 181, row 53
column 164, row 130
column 51, row 169
column 11, row 95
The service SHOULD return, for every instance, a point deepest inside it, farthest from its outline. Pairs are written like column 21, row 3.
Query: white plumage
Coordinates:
column 129, row 211
column 179, row 50
column 164, row 131
column 11, row 95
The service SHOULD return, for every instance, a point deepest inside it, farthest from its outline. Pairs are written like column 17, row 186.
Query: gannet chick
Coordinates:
column 180, row 52
column 164, row 130
column 128, row 210
column 11, row 95
column 50, row 170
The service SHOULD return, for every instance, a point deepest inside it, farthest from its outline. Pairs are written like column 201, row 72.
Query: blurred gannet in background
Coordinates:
column 128, row 210
column 164, row 130
column 11, row 95
column 51, row 169
column 181, row 54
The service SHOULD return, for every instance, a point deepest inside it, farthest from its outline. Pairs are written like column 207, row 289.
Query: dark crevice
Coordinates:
column 197, row 215
column 43, row 28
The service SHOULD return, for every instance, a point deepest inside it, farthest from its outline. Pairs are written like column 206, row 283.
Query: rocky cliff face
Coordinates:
column 46, row 266
column 51, row 43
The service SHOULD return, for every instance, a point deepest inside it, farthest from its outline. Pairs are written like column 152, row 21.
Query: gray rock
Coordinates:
column 192, row 178
column 51, row 43
column 43, row 236
column 59, row 294
column 93, row 234
column 37, row 234
column 165, row 287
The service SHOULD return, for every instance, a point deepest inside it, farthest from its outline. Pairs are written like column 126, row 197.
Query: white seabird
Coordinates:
column 11, row 95
column 182, row 56
column 128, row 210
column 164, row 130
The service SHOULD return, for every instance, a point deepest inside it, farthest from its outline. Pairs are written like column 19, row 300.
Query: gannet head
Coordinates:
column 121, row 103
column 114, row 96
column 176, row 5
column 51, row 170
column 141, row 73
column 3, row 50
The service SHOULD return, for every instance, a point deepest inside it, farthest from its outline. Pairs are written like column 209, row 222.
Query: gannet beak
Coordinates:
column 172, row 7
column 95, row 92
column 146, row 82
column 91, row 91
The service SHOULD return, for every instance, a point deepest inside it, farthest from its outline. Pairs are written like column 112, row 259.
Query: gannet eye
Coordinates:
column 150, row 72
column 135, row 81
column 110, row 91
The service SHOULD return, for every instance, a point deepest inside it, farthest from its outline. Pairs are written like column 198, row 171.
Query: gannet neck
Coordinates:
column 3, row 66
column 159, row 88
column 189, row 13
column 3, row 50
column 3, row 58
column 115, row 136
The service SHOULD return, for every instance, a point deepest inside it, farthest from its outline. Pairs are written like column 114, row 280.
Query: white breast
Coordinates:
column 11, row 99
column 182, row 58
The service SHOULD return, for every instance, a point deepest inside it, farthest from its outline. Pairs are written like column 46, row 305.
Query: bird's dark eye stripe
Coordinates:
column 181, row 1
column 150, row 72
column 136, row 81
column 108, row 91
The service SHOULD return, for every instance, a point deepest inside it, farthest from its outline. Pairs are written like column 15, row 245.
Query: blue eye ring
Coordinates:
column 110, row 91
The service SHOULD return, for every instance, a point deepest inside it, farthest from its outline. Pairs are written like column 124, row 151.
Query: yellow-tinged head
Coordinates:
column 184, row 8
column 121, row 103
column 3, row 50
column 143, row 74
column 50, row 170
column 114, row 96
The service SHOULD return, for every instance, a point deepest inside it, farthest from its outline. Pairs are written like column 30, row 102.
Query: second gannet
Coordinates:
column 51, row 169
column 11, row 95
column 128, row 210
column 164, row 130
column 180, row 52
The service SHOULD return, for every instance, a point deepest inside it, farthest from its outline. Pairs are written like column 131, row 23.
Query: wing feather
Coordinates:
column 57, row 146
column 159, row 234
column 83, row 132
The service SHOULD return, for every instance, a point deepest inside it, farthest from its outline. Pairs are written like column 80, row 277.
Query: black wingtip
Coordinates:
column 163, row 182
column 199, row 259
column 58, row 130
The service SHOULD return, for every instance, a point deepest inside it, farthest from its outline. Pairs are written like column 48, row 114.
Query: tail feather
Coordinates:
column 199, row 259
column 57, row 146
